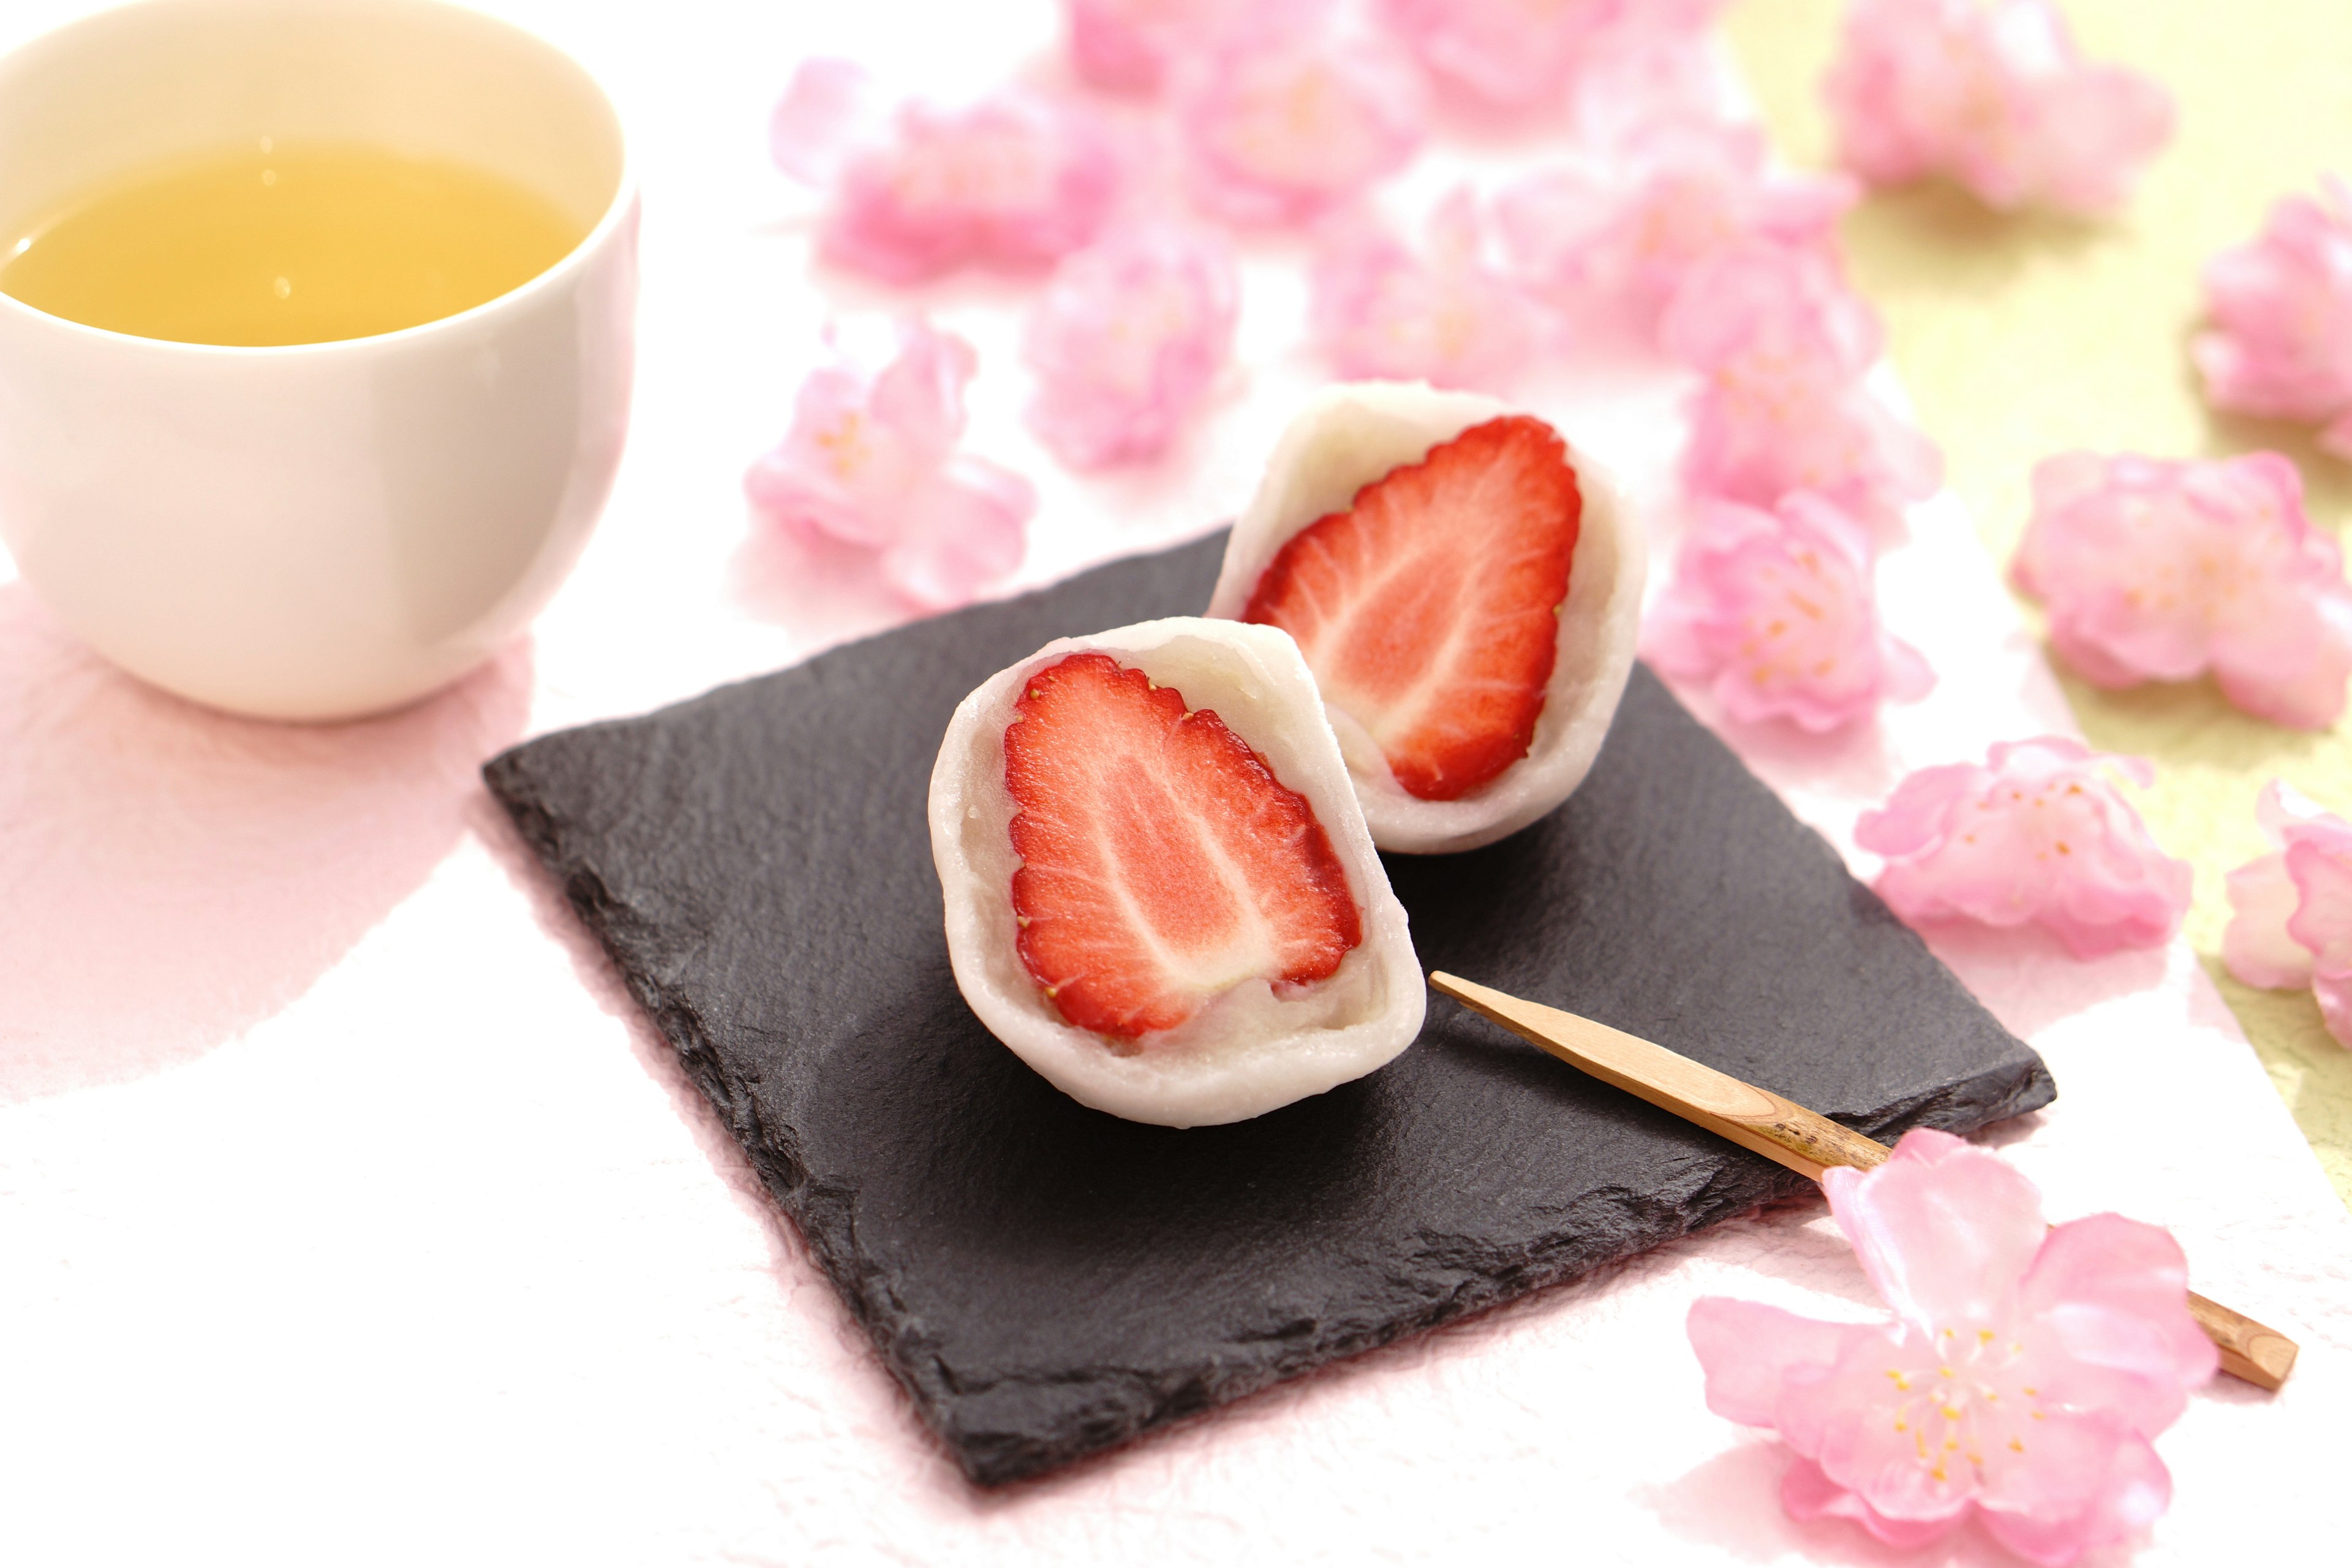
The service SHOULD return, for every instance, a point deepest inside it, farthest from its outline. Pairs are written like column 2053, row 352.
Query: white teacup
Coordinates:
column 327, row 529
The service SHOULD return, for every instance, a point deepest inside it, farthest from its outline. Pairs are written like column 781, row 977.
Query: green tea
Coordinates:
column 278, row 242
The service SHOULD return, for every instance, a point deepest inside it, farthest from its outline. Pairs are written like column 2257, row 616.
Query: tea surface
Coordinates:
column 275, row 243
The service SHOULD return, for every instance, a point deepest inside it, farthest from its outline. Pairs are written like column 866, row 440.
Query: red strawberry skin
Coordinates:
column 1429, row 610
column 1162, row 862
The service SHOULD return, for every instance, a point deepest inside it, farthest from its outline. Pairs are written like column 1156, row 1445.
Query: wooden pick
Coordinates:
column 1781, row 1129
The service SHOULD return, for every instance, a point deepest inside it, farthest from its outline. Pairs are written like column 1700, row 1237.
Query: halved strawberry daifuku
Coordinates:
column 1177, row 917
column 1162, row 861
column 1429, row 609
column 1466, row 588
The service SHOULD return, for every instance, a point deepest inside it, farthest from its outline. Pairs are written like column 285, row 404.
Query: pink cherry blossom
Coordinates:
column 871, row 461
column 1442, row 315
column 1516, row 53
column 1995, row 94
column 1284, row 123
column 2158, row 571
column 1126, row 340
column 1011, row 180
column 1776, row 612
column 1783, row 345
column 2282, row 311
column 1627, row 230
column 2036, row 832
column 1127, row 46
column 2292, row 920
column 2020, row 1380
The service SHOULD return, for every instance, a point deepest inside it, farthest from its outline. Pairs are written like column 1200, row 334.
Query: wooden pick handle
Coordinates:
column 1804, row 1141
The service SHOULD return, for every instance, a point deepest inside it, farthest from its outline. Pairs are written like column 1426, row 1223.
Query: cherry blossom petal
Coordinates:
column 2293, row 924
column 1995, row 95
column 1749, row 1350
column 2256, row 947
column 1383, row 312
column 1282, row 123
column 1126, row 341
column 2334, row 997
column 831, row 108
column 1944, row 1230
column 1777, row 612
column 2090, row 1484
column 2113, row 1292
column 2164, row 570
column 1807, row 1493
column 1783, row 344
column 1627, row 228
column 2321, row 922
column 960, row 531
column 1127, row 46
column 2281, row 307
column 871, row 461
column 2021, row 1381
column 2037, row 833
column 1509, row 52
column 1010, row 181
column 1776, row 303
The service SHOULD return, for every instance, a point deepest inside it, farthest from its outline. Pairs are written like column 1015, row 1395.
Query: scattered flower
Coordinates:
column 1784, row 344
column 1125, row 340
column 1444, row 315
column 1627, row 230
column 1995, row 94
column 1011, row 180
column 2292, row 920
column 2024, row 1371
column 2037, row 831
column 2281, row 310
column 871, row 461
column 1283, row 123
column 1127, row 46
column 2157, row 571
column 1776, row 611
column 1514, row 54
column 833, row 106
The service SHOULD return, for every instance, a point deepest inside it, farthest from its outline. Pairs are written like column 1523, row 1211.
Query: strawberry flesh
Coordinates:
column 1162, row 862
column 1429, row 610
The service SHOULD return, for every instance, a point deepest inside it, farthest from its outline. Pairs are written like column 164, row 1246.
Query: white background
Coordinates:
column 349, row 1212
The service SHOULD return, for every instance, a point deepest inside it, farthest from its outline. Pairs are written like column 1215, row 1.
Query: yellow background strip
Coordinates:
column 2021, row 336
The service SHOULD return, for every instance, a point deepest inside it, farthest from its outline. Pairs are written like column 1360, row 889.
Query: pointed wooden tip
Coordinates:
column 1784, row 1131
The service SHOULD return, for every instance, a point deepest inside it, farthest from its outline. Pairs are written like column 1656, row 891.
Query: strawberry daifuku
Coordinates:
column 1160, row 891
column 1466, row 588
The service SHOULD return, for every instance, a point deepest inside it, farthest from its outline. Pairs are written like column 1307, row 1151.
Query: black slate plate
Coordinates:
column 1045, row 1279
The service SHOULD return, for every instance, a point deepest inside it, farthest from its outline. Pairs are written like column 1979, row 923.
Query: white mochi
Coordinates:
column 1348, row 436
column 1252, row 1049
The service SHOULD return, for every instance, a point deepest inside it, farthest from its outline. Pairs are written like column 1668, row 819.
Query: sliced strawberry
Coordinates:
column 1429, row 609
column 1162, row 862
